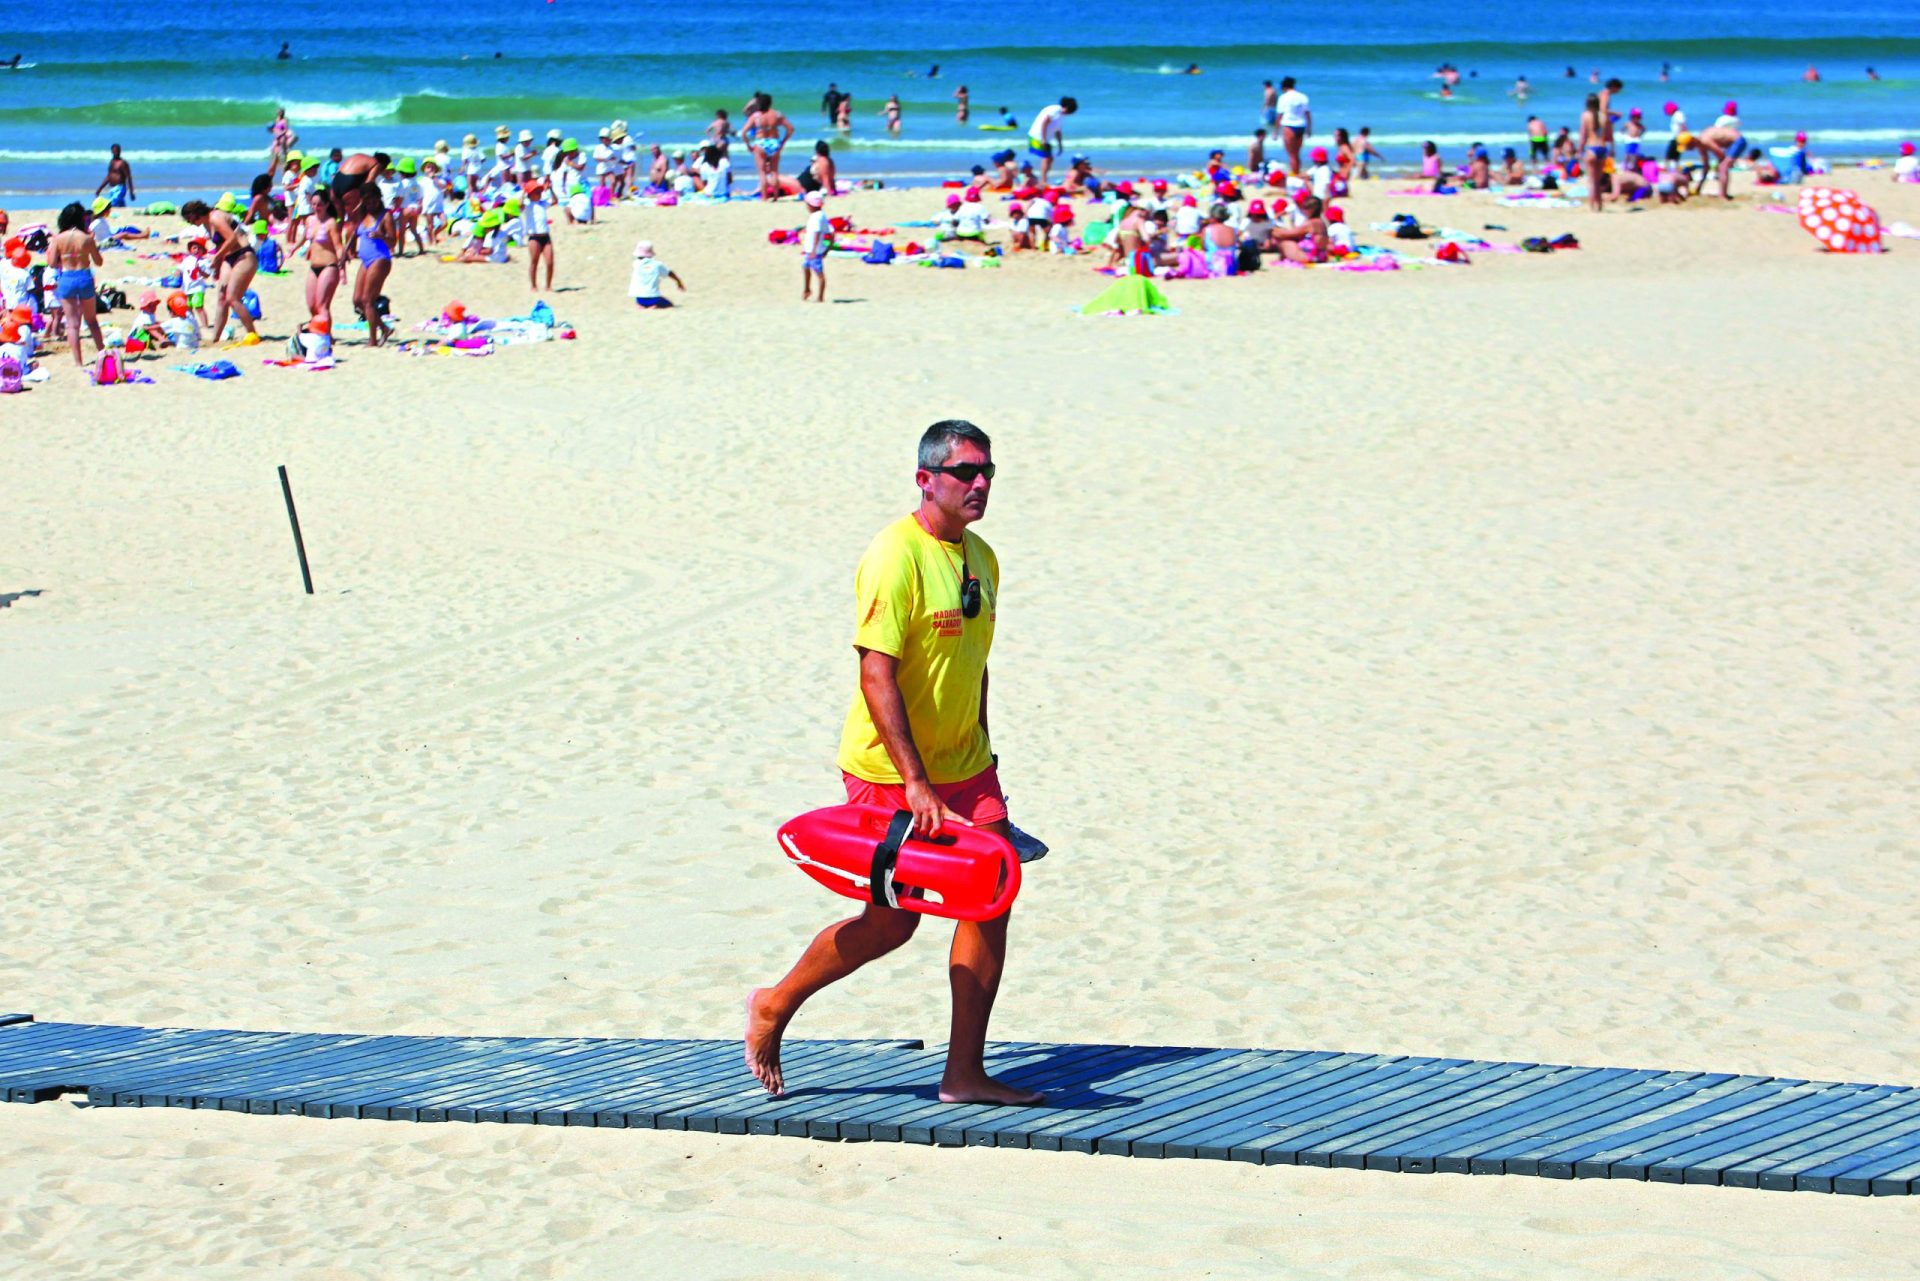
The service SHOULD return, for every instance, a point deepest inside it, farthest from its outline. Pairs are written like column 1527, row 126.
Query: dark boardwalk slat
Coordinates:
column 1362, row 1111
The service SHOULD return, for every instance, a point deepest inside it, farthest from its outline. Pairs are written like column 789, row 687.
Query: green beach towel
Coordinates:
column 1131, row 295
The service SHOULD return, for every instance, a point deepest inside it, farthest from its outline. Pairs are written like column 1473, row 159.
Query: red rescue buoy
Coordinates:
column 866, row 852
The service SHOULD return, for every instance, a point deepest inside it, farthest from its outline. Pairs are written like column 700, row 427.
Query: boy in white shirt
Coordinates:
column 970, row 223
column 648, row 272
column 815, row 240
column 1040, row 221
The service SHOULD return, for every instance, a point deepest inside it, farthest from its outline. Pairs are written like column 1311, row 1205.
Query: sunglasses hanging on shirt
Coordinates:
column 969, row 593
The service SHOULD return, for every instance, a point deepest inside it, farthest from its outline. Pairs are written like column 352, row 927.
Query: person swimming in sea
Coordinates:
column 285, row 52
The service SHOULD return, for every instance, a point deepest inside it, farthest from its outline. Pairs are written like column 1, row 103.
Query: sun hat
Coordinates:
column 489, row 220
column 1189, row 202
column 440, row 144
column 1634, row 112
column 1334, row 213
column 571, row 144
column 1801, row 136
column 1732, row 108
column 645, row 248
column 1670, row 108
column 502, row 132
column 407, row 165
column 973, row 194
column 227, row 203
column 470, row 141
column 953, row 201
column 526, row 135
column 101, row 204
column 309, row 164
column 815, row 200
column 553, row 135
column 1906, row 148
column 1319, row 155
column 605, row 130
column 1256, row 208
column 149, row 299
column 294, row 157
column 511, row 205
column 177, row 304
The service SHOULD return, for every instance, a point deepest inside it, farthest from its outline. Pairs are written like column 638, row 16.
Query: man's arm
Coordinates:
column 983, row 704
column 880, row 686
column 1309, row 132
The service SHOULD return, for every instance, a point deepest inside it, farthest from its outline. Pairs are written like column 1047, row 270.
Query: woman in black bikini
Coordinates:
column 233, row 261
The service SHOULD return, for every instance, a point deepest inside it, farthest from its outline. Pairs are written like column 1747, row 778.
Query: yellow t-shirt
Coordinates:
column 908, row 589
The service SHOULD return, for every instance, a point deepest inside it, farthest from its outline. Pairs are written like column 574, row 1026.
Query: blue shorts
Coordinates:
column 1042, row 149
column 652, row 302
column 815, row 262
column 74, row 285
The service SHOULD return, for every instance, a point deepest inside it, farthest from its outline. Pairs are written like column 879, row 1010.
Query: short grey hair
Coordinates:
column 937, row 442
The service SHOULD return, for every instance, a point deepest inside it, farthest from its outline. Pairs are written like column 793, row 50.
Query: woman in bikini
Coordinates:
column 1305, row 242
column 320, row 232
column 72, row 255
column 231, row 264
column 374, row 235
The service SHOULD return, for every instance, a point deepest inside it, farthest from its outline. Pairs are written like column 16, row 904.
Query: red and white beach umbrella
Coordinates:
column 1840, row 220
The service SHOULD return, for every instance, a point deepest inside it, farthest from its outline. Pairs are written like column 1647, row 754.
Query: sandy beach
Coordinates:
column 1505, row 661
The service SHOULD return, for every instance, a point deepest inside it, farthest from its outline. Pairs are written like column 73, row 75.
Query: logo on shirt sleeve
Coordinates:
column 873, row 611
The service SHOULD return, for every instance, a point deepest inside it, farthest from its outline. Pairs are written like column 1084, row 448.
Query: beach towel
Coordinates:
column 1129, row 296
column 213, row 371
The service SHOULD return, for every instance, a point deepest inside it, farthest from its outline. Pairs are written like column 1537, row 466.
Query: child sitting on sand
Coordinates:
column 1907, row 167
column 648, row 272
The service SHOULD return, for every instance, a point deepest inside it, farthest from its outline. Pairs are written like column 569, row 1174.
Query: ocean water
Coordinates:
column 191, row 109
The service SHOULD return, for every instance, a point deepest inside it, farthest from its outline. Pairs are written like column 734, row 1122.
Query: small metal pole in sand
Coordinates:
column 293, row 518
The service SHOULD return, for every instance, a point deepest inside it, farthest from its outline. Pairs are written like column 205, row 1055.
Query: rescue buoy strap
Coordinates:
column 885, row 855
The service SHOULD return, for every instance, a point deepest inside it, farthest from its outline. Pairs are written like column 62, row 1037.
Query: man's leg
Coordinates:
column 974, row 967
column 835, row 952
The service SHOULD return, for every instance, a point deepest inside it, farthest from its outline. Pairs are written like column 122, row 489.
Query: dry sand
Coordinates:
column 1514, row 661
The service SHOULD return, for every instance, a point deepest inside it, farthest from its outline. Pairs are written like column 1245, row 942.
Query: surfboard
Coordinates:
column 868, row 853
column 998, row 128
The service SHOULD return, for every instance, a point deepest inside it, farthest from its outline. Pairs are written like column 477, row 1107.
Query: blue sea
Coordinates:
column 191, row 105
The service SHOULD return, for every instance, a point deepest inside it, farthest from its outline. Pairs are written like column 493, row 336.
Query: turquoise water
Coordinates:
column 191, row 109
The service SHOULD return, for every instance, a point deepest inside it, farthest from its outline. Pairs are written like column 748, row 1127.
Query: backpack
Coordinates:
column 269, row 255
column 109, row 298
column 1409, row 231
column 251, row 301
column 1249, row 257
column 880, row 254
column 107, row 369
column 10, row 376
column 1537, row 245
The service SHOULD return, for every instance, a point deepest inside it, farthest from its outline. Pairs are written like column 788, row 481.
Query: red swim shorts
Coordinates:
column 975, row 799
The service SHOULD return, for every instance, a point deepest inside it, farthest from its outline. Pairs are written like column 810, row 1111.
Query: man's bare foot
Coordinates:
column 984, row 1089
column 763, row 1041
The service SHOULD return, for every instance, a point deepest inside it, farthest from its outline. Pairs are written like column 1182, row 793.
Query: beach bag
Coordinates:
column 880, row 254
column 108, row 369
column 10, row 380
column 1409, row 231
column 541, row 314
column 1537, row 245
column 251, row 301
column 270, row 255
column 107, row 299
column 1249, row 257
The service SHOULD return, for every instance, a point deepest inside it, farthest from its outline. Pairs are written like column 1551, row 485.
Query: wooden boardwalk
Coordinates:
column 1269, row 1107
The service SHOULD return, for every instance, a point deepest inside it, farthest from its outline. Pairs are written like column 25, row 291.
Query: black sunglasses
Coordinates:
column 964, row 473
